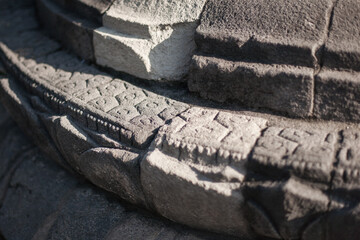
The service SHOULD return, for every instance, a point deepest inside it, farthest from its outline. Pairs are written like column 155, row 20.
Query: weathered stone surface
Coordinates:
column 348, row 165
column 337, row 95
column 91, row 9
column 89, row 88
column 342, row 48
column 36, row 190
column 307, row 154
column 290, row 204
column 285, row 32
column 340, row 224
column 115, row 170
column 165, row 55
column 75, row 33
column 23, row 113
column 148, row 39
column 210, row 137
column 278, row 87
column 183, row 194
column 198, row 162
column 44, row 202
column 154, row 12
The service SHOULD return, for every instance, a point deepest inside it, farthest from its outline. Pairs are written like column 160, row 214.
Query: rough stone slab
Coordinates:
column 290, row 204
column 342, row 48
column 285, row 32
column 278, row 87
column 23, row 113
column 44, row 202
column 148, row 39
column 153, row 12
column 337, row 95
column 87, row 214
column 307, row 154
column 70, row 78
column 166, row 55
column 118, row 171
column 340, row 224
column 182, row 194
column 210, row 137
column 29, row 201
column 115, row 170
column 91, row 9
column 75, row 33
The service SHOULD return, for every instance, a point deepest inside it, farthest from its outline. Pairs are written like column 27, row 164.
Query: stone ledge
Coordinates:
column 39, row 200
column 280, row 181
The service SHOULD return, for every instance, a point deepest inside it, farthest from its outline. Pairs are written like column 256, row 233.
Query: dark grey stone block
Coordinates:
column 278, row 87
column 74, row 32
column 36, row 191
column 342, row 49
column 288, row 205
column 285, row 32
column 91, row 9
column 337, row 95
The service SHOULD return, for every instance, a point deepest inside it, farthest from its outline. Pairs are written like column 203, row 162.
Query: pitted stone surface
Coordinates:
column 279, row 87
column 148, row 39
column 155, row 12
column 342, row 48
column 74, row 32
column 286, row 32
column 290, row 204
column 193, row 196
column 210, row 137
column 307, row 154
column 165, row 55
column 84, row 85
column 337, row 95
column 44, row 202
column 249, row 174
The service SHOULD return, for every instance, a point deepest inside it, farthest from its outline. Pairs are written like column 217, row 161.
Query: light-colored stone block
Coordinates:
column 166, row 55
column 149, row 39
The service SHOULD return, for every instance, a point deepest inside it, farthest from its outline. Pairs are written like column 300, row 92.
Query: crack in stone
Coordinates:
column 318, row 51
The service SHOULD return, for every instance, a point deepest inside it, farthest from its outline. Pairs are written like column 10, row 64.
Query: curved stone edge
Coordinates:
column 319, row 39
column 290, row 152
column 303, row 91
column 163, row 55
column 197, row 191
column 39, row 200
column 88, row 116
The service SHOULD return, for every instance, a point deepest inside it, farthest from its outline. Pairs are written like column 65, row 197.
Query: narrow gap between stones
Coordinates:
column 319, row 53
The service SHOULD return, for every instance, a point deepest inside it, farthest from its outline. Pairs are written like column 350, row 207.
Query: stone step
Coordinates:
column 241, row 173
column 40, row 200
column 272, row 32
column 283, row 88
column 90, row 9
column 75, row 32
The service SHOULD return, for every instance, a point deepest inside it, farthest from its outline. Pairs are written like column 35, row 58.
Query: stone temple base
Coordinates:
column 245, row 173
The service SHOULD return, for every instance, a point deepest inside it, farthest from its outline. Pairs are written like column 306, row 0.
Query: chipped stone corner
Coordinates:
column 145, row 42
